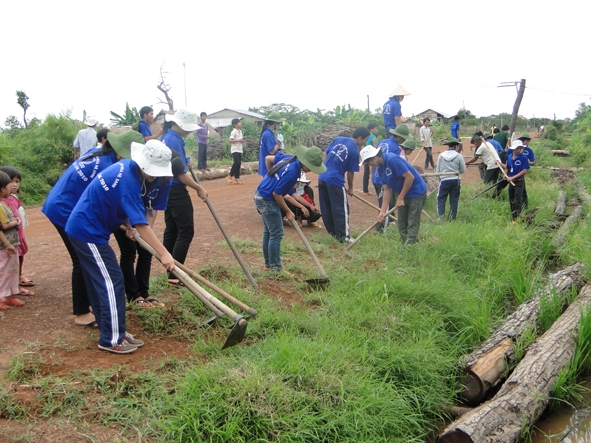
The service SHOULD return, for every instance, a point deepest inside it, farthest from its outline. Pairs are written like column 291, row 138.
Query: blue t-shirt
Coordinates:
column 455, row 129
column 391, row 172
column 67, row 191
column 496, row 145
column 176, row 143
column 155, row 194
column 387, row 146
column 391, row 110
column 529, row 154
column 283, row 181
column 144, row 129
column 267, row 145
column 108, row 201
column 342, row 155
column 518, row 164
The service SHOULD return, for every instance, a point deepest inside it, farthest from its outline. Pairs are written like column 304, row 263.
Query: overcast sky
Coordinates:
column 70, row 56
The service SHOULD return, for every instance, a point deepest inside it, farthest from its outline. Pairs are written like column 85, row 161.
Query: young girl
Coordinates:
column 8, row 252
column 15, row 204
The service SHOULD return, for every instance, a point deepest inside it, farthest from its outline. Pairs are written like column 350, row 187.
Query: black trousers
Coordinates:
column 137, row 281
column 235, row 171
column 80, row 302
column 516, row 198
column 366, row 177
column 429, row 157
column 180, row 226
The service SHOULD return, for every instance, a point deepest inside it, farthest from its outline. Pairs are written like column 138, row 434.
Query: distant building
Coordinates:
column 223, row 118
column 434, row 115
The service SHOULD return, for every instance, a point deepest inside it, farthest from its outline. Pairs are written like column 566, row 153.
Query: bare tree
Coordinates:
column 165, row 88
column 22, row 101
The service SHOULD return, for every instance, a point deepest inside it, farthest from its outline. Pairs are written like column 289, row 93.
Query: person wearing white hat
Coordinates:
column 114, row 198
column 392, row 110
column 517, row 167
column 399, row 176
column 302, row 203
column 86, row 138
column 180, row 225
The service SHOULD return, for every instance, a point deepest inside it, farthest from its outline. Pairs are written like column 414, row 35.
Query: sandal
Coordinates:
column 143, row 303
column 24, row 281
column 12, row 301
column 155, row 302
column 174, row 282
column 238, row 182
column 4, row 306
column 229, row 180
column 92, row 324
column 25, row 292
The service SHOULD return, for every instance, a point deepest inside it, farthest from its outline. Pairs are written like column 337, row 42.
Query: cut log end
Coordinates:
column 454, row 436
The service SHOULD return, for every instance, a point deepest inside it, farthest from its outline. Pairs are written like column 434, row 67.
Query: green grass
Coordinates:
column 370, row 357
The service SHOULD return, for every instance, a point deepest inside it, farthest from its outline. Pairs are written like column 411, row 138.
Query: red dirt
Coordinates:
column 46, row 322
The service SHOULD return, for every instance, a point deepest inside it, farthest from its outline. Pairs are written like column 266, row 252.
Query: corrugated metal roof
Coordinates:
column 240, row 111
column 436, row 112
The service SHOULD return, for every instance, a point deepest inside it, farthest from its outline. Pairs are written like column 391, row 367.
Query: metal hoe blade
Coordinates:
column 236, row 334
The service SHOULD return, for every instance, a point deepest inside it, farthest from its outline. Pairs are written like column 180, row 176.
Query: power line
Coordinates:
column 556, row 92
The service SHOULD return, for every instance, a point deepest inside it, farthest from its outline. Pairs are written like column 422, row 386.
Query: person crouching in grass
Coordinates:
column 399, row 176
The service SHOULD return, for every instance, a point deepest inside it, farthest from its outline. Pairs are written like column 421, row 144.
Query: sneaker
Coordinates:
column 123, row 348
column 133, row 341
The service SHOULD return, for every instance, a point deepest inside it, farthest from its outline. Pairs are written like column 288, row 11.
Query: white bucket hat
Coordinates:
column 186, row 119
column 517, row 144
column 91, row 121
column 367, row 153
column 153, row 158
column 303, row 178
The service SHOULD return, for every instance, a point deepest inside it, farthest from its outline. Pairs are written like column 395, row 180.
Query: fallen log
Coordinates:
column 484, row 369
column 522, row 399
column 223, row 171
column 560, row 238
column 560, row 153
column 561, row 204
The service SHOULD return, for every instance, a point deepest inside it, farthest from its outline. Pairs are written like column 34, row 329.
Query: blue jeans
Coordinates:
column 451, row 188
column 272, row 233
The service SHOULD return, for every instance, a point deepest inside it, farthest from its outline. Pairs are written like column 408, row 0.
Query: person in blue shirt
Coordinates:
column 517, row 167
column 399, row 176
column 388, row 145
column 114, row 198
column 455, row 130
column 178, row 217
column 268, row 144
column 341, row 158
column 136, row 276
column 284, row 171
column 147, row 117
column 392, row 110
column 65, row 194
column 526, row 139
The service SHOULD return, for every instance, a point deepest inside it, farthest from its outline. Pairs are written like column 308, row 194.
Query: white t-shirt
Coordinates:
column 236, row 134
column 489, row 155
column 85, row 140
column 425, row 133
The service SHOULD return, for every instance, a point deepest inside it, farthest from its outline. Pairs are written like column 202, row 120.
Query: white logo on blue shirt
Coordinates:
column 386, row 109
column 340, row 151
column 388, row 172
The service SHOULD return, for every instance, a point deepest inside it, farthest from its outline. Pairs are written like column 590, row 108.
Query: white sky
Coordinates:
column 76, row 55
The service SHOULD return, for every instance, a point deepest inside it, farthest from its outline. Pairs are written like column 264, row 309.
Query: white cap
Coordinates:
column 303, row 178
column 186, row 119
column 153, row 158
column 91, row 121
column 367, row 153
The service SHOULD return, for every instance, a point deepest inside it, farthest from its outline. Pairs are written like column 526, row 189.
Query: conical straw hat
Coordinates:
column 398, row 91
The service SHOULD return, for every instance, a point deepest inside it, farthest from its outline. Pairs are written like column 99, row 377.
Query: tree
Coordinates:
column 131, row 117
column 22, row 101
column 12, row 122
column 165, row 88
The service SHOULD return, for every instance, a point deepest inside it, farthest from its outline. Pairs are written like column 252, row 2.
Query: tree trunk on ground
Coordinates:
column 523, row 398
column 561, row 204
column 560, row 153
column 485, row 367
column 223, row 171
column 560, row 238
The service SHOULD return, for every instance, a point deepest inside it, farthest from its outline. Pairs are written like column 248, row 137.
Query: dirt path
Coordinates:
column 46, row 323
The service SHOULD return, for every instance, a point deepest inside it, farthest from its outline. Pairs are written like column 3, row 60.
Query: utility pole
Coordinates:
column 368, row 104
column 520, row 92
